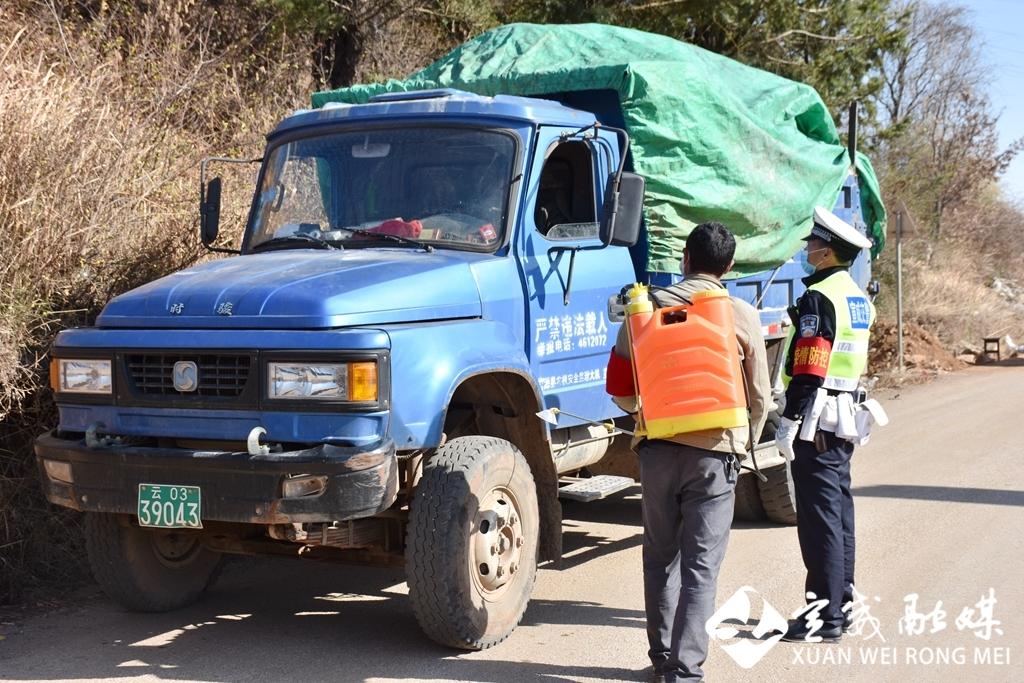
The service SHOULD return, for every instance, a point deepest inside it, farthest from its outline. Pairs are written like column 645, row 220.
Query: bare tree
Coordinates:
column 939, row 59
column 942, row 147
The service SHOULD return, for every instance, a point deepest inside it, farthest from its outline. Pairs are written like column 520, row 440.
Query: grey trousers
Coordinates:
column 688, row 496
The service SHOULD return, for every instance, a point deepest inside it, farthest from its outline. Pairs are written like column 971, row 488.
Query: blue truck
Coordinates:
column 419, row 276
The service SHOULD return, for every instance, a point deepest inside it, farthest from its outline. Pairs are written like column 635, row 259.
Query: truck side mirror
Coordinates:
column 623, row 210
column 209, row 211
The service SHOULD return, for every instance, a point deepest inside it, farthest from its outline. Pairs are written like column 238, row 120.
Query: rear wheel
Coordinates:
column 777, row 494
column 748, row 499
column 471, row 549
column 148, row 570
column 777, row 497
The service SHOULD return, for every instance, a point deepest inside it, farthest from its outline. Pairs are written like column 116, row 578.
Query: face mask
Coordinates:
column 803, row 258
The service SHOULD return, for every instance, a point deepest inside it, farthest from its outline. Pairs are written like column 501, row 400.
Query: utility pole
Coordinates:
column 899, row 290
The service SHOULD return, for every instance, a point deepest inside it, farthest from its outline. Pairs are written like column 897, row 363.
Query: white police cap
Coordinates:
column 830, row 228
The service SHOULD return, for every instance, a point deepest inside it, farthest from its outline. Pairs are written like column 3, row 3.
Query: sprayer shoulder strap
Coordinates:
column 685, row 298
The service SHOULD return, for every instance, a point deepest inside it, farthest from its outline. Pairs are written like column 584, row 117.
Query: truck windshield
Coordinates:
column 441, row 186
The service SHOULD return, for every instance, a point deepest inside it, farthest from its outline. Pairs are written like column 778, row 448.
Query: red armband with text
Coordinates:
column 619, row 381
column 811, row 355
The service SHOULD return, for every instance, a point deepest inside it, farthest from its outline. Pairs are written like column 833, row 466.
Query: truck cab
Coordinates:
column 419, row 277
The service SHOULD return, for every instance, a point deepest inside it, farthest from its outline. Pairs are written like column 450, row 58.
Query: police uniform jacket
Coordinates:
column 814, row 319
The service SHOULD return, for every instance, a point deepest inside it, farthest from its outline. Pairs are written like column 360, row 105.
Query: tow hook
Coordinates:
column 253, row 442
column 94, row 440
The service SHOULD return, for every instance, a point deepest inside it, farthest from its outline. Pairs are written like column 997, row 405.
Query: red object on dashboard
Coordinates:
column 398, row 227
column 488, row 232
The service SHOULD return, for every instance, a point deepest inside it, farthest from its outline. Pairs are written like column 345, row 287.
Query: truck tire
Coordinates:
column 777, row 495
column 148, row 570
column 471, row 545
column 748, row 500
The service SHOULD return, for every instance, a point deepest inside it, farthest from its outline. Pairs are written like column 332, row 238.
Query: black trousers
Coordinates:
column 824, row 520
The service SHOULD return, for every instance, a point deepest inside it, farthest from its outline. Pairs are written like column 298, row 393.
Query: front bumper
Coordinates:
column 236, row 487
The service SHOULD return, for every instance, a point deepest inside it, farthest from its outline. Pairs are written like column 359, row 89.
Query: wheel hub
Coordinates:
column 498, row 540
column 174, row 548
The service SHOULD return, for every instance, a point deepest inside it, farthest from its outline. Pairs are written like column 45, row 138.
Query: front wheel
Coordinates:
column 471, row 549
column 148, row 570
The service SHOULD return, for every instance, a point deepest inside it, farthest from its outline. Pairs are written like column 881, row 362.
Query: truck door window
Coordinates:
column 565, row 207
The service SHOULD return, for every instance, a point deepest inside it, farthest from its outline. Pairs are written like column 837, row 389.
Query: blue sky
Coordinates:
column 1001, row 26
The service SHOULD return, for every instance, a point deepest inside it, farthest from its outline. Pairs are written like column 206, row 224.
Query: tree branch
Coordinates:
column 817, row 36
column 653, row 5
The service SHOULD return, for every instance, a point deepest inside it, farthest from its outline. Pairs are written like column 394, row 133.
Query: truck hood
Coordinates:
column 303, row 288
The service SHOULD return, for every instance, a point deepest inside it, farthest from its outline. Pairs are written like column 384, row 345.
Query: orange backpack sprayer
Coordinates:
column 686, row 364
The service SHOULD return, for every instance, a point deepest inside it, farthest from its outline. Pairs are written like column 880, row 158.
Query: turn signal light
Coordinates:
column 54, row 375
column 362, row 378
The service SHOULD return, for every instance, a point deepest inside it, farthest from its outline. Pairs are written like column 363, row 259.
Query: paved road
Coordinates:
column 940, row 497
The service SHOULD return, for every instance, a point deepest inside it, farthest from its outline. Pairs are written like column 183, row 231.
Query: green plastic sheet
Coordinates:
column 715, row 139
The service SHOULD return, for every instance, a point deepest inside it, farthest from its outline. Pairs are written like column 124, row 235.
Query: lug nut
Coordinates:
column 519, row 542
column 494, row 549
column 513, row 520
column 500, row 572
column 513, row 567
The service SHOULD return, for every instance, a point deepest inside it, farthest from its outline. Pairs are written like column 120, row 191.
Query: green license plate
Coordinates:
column 170, row 507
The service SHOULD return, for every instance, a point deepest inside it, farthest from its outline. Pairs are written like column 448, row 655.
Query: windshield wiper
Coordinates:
column 388, row 236
column 298, row 237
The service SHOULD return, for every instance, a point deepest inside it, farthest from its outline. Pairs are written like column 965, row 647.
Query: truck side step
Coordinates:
column 594, row 488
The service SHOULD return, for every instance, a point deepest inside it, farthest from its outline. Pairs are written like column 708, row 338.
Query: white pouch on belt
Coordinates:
column 846, row 423
column 813, row 415
column 829, row 416
column 869, row 413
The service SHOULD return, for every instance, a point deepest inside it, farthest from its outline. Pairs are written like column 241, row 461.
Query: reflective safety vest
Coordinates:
column 854, row 316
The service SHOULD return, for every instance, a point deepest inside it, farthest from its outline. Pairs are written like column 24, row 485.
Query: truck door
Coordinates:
column 568, row 343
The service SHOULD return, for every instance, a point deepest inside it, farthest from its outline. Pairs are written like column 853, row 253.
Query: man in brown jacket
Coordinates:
column 689, row 480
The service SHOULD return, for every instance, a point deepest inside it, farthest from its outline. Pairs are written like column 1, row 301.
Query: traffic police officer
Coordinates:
column 827, row 351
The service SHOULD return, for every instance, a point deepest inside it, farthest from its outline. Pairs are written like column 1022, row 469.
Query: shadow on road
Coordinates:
column 580, row 546
column 278, row 619
column 947, row 494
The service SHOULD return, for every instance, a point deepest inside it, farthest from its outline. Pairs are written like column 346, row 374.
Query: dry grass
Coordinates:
column 954, row 300
column 100, row 138
column 105, row 112
column 950, row 303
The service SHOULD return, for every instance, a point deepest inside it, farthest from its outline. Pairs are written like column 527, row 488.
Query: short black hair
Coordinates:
column 710, row 248
column 846, row 253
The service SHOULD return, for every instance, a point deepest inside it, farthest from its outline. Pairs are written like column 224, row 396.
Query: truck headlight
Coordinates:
column 328, row 381
column 73, row 376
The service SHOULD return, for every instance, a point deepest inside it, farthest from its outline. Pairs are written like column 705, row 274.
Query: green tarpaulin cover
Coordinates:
column 715, row 139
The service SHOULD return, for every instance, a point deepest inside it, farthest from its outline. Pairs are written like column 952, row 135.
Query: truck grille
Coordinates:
column 222, row 375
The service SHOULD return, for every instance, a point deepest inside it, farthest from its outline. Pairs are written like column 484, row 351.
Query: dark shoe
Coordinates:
column 847, row 621
column 798, row 632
